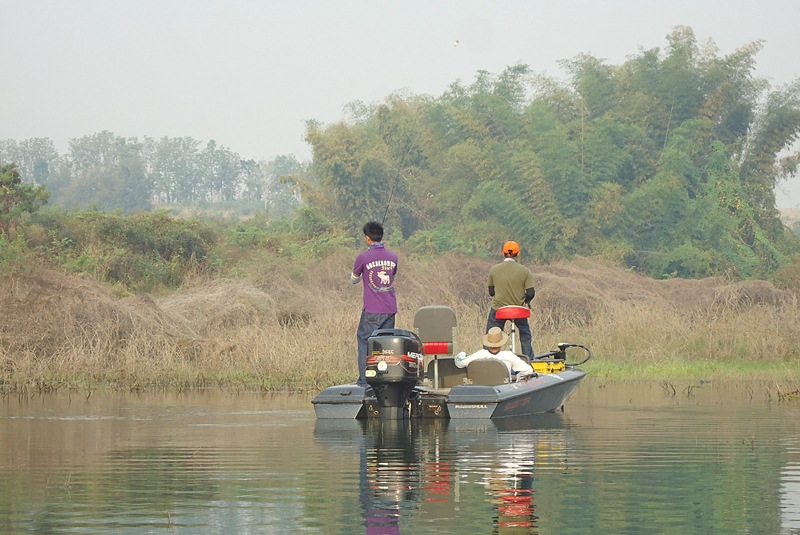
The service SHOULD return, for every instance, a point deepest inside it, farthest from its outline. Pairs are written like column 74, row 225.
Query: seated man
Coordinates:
column 492, row 342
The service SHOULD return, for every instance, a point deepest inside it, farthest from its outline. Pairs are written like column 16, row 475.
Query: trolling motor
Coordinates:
column 394, row 367
column 555, row 361
column 560, row 354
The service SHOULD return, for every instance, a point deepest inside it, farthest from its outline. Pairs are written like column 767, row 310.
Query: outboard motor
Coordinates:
column 394, row 366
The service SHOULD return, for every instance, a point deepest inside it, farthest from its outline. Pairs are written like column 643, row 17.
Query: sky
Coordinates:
column 250, row 73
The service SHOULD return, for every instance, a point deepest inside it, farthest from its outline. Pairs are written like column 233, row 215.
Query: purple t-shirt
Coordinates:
column 377, row 267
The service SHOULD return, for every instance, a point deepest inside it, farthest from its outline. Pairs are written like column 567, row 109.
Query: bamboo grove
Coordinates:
column 666, row 163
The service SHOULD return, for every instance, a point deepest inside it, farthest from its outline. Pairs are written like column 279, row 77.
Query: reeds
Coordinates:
column 280, row 329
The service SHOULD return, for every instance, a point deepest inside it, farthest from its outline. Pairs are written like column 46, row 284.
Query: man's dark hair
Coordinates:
column 374, row 230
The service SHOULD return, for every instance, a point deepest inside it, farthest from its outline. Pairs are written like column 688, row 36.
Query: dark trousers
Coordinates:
column 366, row 326
column 523, row 328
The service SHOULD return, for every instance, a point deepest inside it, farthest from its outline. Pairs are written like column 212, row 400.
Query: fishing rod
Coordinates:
column 391, row 194
column 400, row 172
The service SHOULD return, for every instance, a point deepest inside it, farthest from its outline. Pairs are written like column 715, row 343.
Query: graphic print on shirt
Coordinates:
column 379, row 275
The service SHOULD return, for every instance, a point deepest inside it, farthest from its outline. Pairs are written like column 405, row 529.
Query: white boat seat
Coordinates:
column 488, row 372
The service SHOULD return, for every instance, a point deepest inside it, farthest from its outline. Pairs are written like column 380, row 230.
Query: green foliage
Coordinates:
column 83, row 262
column 14, row 254
column 775, row 130
column 17, row 198
column 323, row 246
column 105, row 172
column 667, row 161
column 149, row 252
column 494, row 214
column 311, row 223
column 684, row 261
column 654, row 213
column 440, row 240
column 35, row 158
column 251, row 232
column 142, row 251
column 169, row 238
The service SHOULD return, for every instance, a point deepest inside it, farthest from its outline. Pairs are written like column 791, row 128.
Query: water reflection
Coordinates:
column 428, row 465
column 627, row 459
column 389, row 474
column 790, row 489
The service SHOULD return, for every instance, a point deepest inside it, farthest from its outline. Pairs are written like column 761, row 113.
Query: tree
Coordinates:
column 107, row 173
column 280, row 175
column 220, row 173
column 776, row 128
column 35, row 158
column 171, row 166
column 596, row 84
column 17, row 198
column 353, row 169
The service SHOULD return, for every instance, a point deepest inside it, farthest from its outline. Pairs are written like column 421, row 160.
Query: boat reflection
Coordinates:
column 790, row 489
column 447, row 468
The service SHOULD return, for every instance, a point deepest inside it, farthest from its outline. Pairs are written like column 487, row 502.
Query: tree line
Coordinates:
column 108, row 172
column 666, row 164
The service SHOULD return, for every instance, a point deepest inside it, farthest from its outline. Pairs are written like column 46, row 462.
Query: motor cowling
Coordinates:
column 394, row 367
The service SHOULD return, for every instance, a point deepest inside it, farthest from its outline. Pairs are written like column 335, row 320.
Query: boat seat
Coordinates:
column 488, row 372
column 435, row 323
column 512, row 312
column 449, row 374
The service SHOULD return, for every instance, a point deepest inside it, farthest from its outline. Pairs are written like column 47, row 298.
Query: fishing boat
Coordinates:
column 413, row 374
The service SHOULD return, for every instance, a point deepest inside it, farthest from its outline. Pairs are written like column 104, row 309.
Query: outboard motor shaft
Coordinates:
column 394, row 367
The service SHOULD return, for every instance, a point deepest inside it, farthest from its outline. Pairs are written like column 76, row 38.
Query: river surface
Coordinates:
column 635, row 458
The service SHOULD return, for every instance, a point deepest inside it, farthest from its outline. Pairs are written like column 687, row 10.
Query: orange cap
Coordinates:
column 511, row 247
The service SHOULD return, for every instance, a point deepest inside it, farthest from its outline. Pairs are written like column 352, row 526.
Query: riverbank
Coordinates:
column 282, row 328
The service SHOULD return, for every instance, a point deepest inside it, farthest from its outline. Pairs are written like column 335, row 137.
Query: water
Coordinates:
column 620, row 459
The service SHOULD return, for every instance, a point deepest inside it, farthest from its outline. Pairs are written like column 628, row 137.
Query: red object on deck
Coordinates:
column 437, row 348
column 512, row 312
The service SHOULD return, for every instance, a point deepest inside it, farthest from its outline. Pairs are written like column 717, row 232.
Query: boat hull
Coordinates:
column 543, row 393
column 538, row 394
column 341, row 402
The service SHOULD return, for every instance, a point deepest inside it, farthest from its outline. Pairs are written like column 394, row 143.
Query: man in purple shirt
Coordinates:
column 376, row 267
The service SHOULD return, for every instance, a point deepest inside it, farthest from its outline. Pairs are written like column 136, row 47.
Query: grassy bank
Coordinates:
column 291, row 326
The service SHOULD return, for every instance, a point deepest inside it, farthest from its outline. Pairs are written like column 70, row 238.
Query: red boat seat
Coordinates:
column 437, row 348
column 512, row 312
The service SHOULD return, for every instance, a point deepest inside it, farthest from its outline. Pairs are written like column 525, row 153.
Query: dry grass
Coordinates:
column 293, row 327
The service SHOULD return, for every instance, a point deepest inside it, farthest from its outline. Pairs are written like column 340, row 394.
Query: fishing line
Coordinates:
column 400, row 171
column 389, row 202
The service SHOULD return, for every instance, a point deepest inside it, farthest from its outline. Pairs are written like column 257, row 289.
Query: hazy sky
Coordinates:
column 249, row 74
